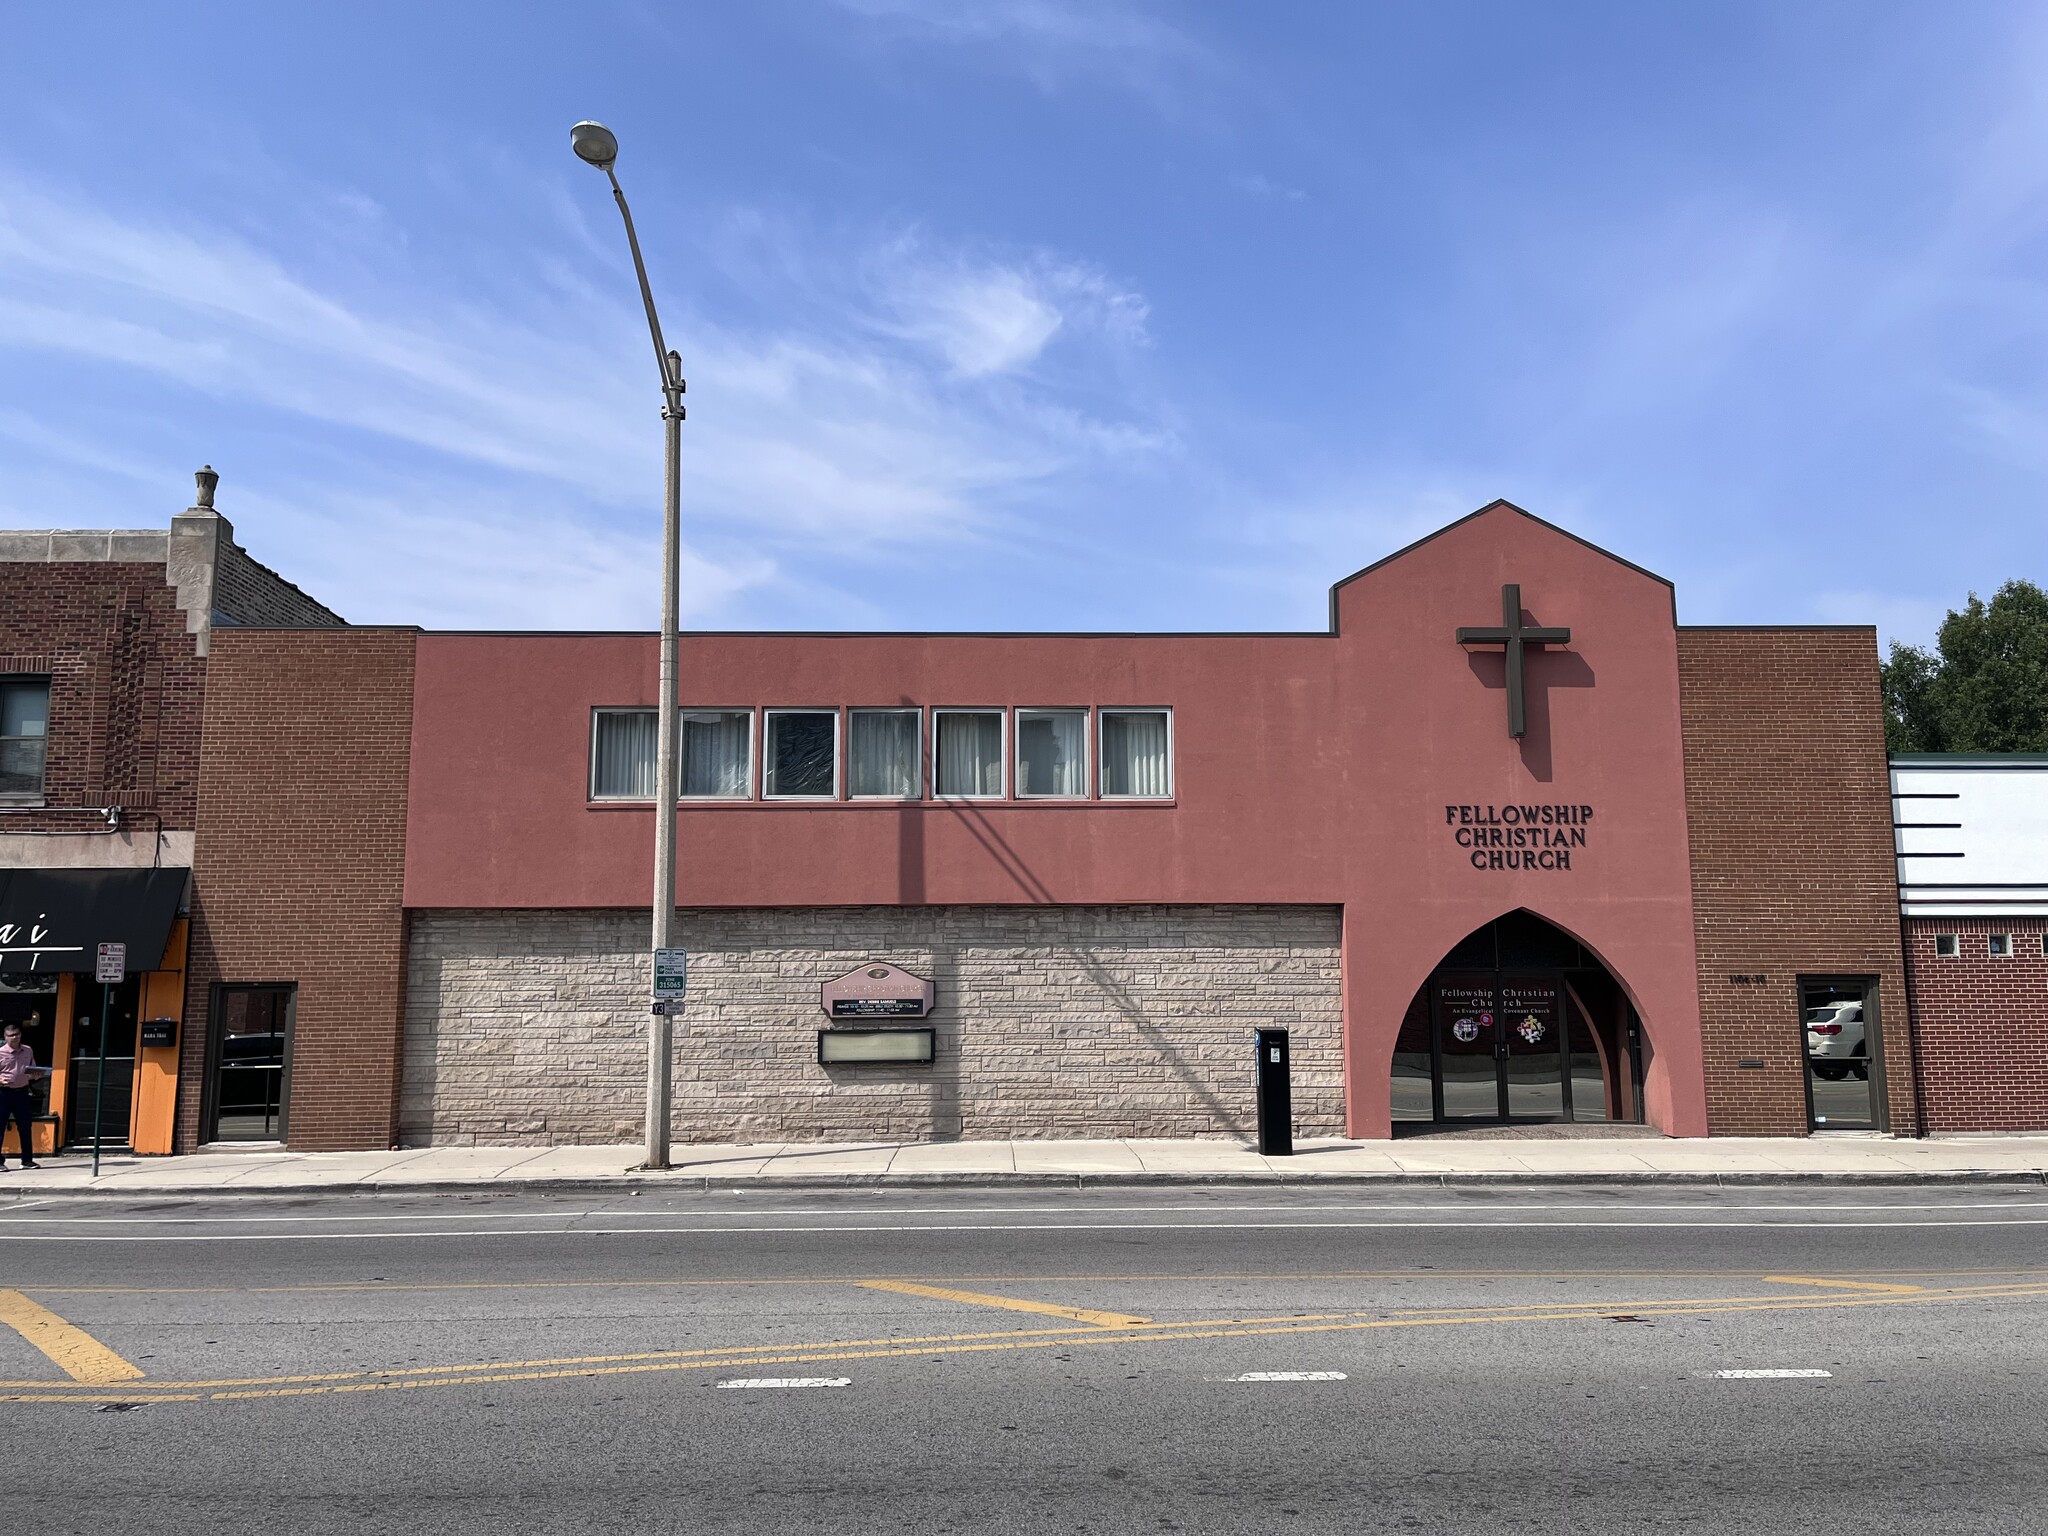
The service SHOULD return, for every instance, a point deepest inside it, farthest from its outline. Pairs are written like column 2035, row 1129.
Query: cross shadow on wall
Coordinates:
column 1542, row 670
column 1036, row 893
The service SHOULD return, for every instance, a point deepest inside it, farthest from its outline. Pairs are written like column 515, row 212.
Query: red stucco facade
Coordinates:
column 1356, row 768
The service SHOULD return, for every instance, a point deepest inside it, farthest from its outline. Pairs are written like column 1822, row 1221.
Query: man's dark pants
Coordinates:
column 18, row 1108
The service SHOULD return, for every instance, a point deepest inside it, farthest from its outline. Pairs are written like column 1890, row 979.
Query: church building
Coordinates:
column 1505, row 843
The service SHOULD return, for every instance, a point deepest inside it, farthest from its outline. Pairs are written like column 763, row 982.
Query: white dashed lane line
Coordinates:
column 1290, row 1376
column 1770, row 1375
column 789, row 1381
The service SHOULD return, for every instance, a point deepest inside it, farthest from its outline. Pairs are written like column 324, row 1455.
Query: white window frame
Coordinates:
column 1014, row 765
column 1999, row 945
column 40, row 794
column 1947, row 946
column 754, row 736
column 590, row 774
column 922, row 769
column 1002, row 714
column 838, row 750
column 1172, row 766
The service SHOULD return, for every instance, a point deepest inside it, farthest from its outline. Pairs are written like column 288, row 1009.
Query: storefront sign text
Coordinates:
column 1519, row 836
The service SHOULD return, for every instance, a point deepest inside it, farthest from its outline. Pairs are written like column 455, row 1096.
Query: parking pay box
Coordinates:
column 1275, row 1093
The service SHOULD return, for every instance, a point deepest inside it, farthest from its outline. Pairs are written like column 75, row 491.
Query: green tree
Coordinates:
column 1985, row 686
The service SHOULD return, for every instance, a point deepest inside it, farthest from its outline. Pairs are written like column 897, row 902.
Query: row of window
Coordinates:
column 24, row 737
column 1997, row 945
column 881, row 754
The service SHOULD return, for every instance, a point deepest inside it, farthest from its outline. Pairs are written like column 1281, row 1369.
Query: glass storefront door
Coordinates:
column 1518, row 1023
column 1532, row 1048
column 1500, row 1046
column 1840, row 1029
column 1468, row 1046
column 252, row 1042
column 90, row 1004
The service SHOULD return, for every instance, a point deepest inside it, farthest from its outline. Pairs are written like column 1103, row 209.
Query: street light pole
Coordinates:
column 595, row 145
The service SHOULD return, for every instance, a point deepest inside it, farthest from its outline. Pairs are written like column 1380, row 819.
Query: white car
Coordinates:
column 1834, row 1041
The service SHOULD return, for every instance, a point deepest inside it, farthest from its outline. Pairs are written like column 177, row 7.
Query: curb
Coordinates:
column 641, row 1183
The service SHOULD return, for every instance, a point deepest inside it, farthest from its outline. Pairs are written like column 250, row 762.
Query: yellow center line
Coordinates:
column 1834, row 1283
column 1434, row 1276
column 748, row 1357
column 1095, row 1338
column 726, row 1354
column 74, row 1351
column 1008, row 1303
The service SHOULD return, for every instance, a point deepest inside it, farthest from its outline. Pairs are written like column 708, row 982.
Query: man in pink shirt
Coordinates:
column 17, row 1070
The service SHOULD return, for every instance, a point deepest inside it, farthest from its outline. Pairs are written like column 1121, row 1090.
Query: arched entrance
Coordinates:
column 1519, row 1024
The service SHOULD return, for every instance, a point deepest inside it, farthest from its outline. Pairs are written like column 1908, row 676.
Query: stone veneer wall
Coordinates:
column 529, row 1026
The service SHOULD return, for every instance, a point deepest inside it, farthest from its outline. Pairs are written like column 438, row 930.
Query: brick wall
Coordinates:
column 126, row 685
column 1788, row 802
column 530, row 1027
column 300, row 864
column 246, row 591
column 1981, row 1023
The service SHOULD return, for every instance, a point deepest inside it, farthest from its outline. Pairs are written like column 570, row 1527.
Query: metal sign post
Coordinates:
column 110, row 968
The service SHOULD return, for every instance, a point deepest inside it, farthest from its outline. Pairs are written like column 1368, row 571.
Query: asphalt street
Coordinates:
column 1477, row 1359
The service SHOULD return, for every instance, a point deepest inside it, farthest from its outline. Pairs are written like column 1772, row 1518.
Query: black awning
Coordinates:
column 56, row 919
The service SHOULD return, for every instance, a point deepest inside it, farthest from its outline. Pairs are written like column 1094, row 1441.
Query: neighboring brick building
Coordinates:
column 1793, row 871
column 104, row 643
column 299, row 871
column 1973, row 884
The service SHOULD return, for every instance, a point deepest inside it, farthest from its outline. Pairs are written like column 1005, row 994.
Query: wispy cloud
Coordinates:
column 1055, row 42
column 895, row 402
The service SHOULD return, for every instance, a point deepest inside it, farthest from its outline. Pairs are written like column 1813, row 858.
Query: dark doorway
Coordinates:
column 1519, row 1024
column 252, row 1062
column 91, row 1001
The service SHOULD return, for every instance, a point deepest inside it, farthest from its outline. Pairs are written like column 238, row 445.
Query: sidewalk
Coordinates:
column 1042, row 1164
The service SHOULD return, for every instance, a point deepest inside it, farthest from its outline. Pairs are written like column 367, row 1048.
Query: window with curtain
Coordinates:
column 882, row 753
column 969, row 748
column 622, row 754
column 802, row 757
column 718, row 754
column 1052, row 752
column 1136, row 756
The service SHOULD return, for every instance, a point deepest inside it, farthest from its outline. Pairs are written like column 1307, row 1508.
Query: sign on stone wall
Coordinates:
column 878, row 991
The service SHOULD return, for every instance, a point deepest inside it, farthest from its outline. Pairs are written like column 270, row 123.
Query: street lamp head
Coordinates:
column 594, row 144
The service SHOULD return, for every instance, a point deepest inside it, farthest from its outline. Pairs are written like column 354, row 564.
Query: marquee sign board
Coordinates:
column 878, row 991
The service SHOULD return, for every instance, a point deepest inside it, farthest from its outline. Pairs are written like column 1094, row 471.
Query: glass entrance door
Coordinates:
column 1500, row 1046
column 1841, row 1045
column 91, row 999
column 1467, row 1046
column 1532, row 1048
column 250, row 1070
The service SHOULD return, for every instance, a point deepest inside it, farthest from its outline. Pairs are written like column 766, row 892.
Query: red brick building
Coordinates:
column 104, row 650
column 1973, row 887
column 1505, row 842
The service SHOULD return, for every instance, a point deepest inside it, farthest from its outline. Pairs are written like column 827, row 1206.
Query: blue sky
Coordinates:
column 1029, row 314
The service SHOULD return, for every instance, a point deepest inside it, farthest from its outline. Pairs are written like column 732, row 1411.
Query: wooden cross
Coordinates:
column 1511, row 637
